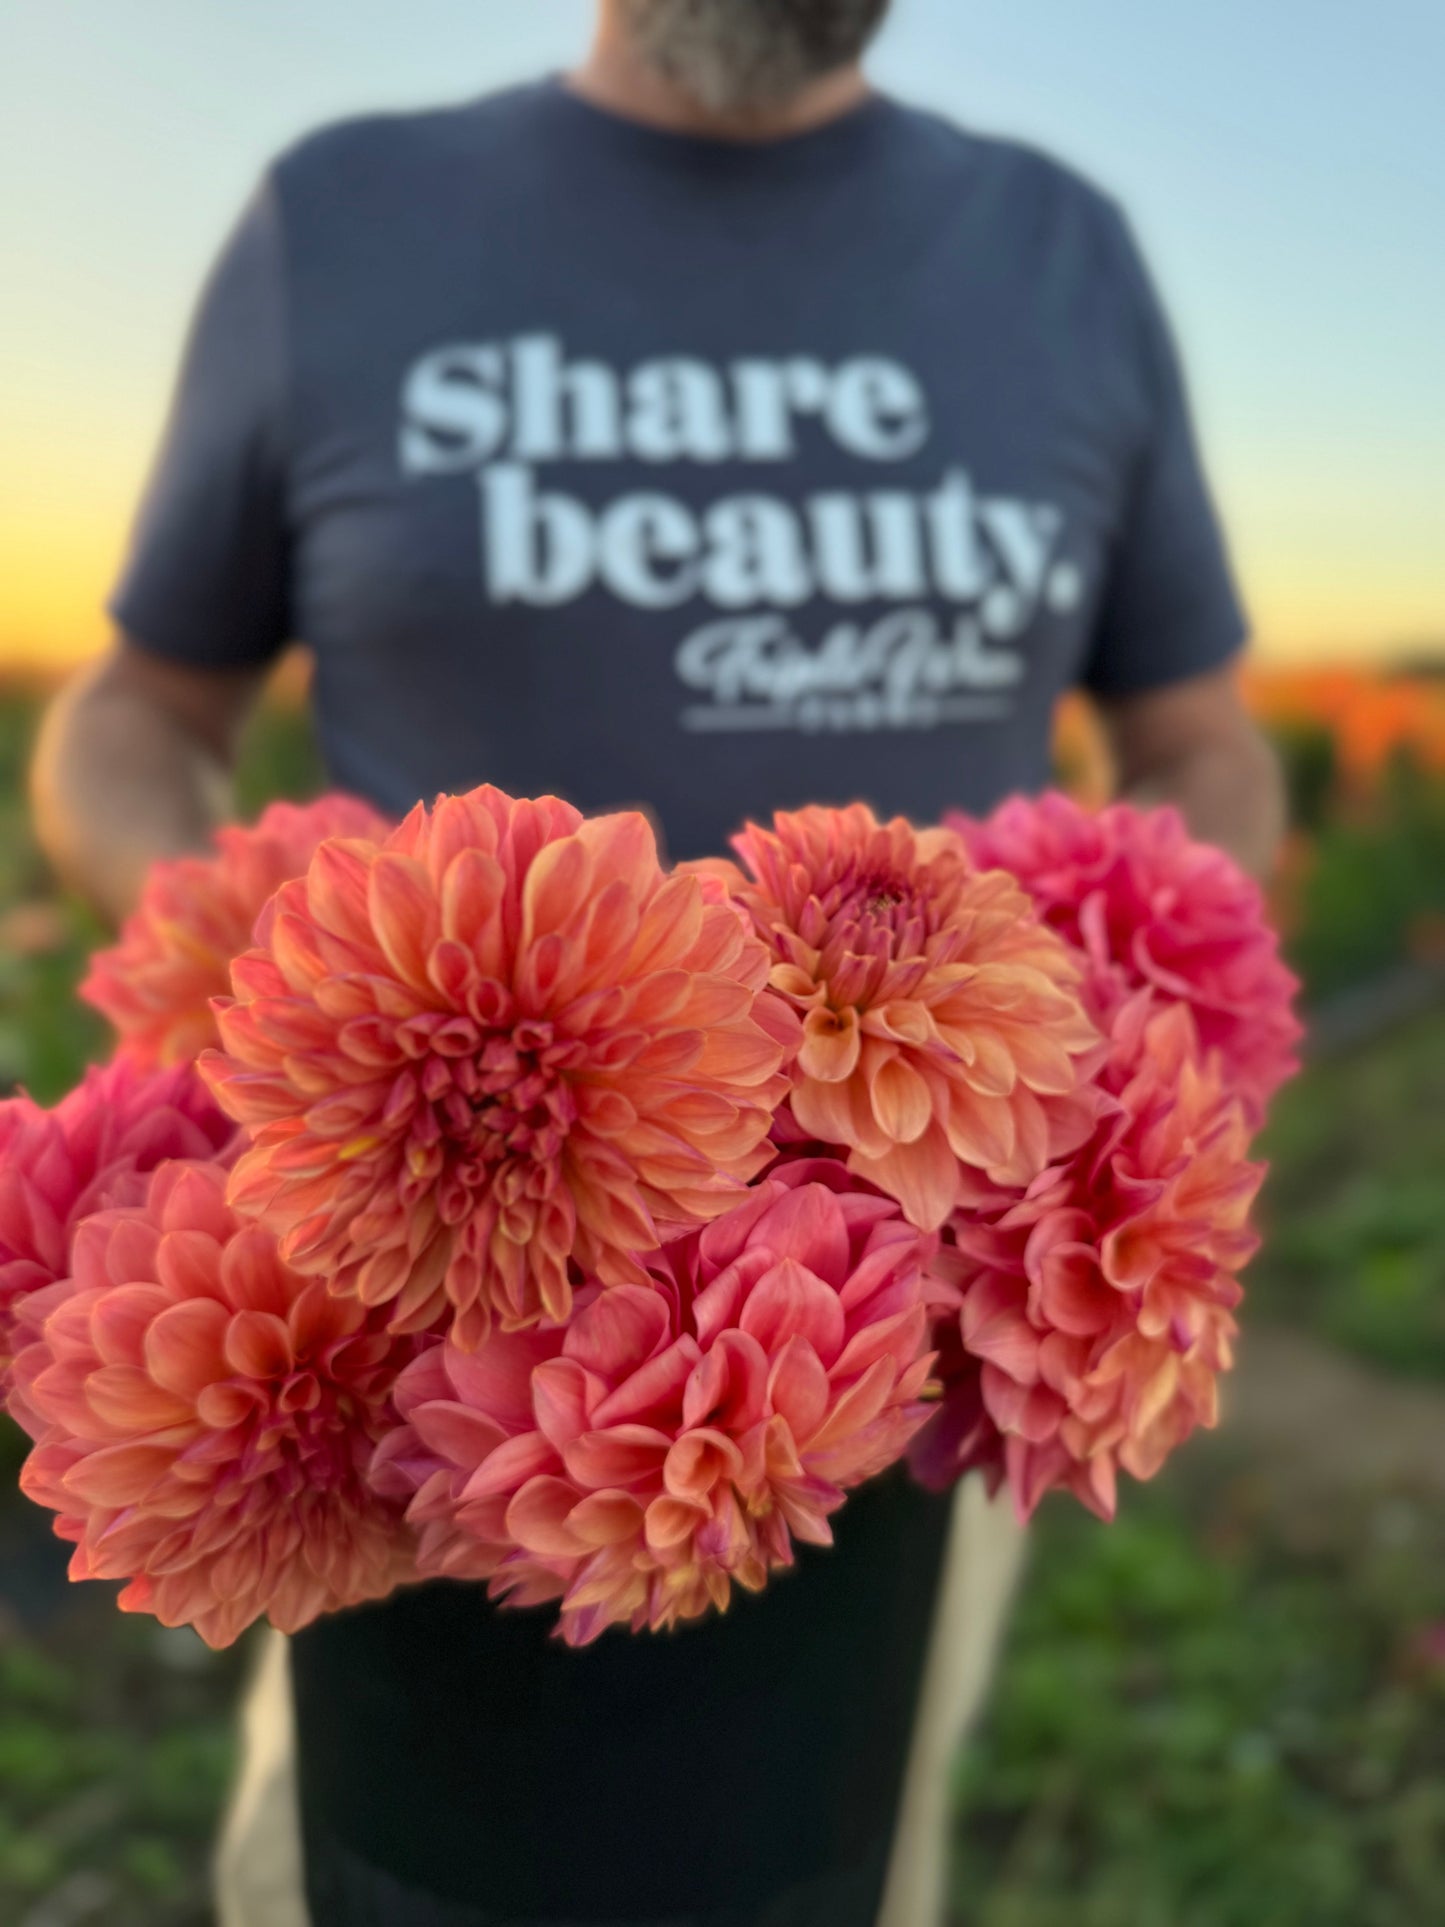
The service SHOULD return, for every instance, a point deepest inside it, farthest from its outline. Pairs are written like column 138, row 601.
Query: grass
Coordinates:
column 115, row 1751
column 1354, row 1206
column 1198, row 1725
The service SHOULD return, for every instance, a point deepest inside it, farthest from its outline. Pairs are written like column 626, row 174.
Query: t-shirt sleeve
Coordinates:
column 206, row 578
column 1170, row 606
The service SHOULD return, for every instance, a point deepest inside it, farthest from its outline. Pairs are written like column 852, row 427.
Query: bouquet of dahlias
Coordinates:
column 477, row 1197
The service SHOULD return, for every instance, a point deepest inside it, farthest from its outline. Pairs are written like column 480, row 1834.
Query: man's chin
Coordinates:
column 750, row 56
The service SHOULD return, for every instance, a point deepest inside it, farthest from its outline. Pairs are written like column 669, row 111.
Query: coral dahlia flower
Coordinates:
column 95, row 1148
column 195, row 914
column 1095, row 1310
column 941, row 1021
column 501, row 1044
column 674, row 1439
column 204, row 1417
column 1149, row 906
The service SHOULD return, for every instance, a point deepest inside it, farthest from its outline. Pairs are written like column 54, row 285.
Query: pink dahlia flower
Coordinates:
column 1095, row 1310
column 942, row 1025
column 204, row 1419
column 501, row 1044
column 195, row 914
column 94, row 1149
column 674, row 1439
column 1150, row 907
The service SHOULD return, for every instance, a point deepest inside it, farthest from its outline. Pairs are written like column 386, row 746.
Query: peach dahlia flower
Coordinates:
column 502, row 1044
column 1095, row 1309
column 195, row 914
column 1150, row 907
column 675, row 1438
column 204, row 1417
column 941, row 1021
column 95, row 1148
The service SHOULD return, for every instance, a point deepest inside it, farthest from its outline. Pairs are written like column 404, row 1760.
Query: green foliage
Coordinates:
column 1371, row 882
column 1308, row 757
column 113, row 1762
column 1197, row 1728
column 279, row 757
column 1354, row 1207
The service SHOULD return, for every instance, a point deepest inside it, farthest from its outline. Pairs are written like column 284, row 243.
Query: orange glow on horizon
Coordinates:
column 59, row 571
column 65, row 525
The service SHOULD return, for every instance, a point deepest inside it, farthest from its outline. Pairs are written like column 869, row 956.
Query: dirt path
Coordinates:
column 1322, row 1432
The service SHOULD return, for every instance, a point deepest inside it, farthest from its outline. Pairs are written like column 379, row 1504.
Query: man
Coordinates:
column 706, row 429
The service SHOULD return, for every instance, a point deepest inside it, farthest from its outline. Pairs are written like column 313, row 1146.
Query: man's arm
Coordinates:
column 1193, row 743
column 134, row 762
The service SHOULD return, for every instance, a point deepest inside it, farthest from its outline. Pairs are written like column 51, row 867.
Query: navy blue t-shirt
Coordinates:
column 722, row 478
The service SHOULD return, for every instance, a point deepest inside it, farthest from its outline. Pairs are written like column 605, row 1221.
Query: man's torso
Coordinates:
column 648, row 469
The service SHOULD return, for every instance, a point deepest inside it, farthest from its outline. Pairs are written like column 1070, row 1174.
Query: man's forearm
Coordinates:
column 1229, row 792
column 1194, row 744
column 118, row 782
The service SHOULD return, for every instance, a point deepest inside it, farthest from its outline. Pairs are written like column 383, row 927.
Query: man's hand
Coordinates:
column 1195, row 744
column 133, row 763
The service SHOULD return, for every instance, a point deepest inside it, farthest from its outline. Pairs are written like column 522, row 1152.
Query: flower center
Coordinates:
column 880, row 911
column 304, row 1434
column 495, row 1113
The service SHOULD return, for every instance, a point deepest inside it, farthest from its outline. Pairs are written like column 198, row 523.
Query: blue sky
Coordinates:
column 1283, row 162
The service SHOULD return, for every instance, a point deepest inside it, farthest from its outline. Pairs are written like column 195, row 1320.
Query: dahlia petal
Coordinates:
column 652, row 1388
column 831, row 1045
column 901, row 1101
column 981, row 1129
column 258, row 1345
column 537, row 1517
column 728, row 1386
column 798, row 1387
column 508, row 1468
column 676, row 924
column 1071, row 1293
column 456, row 1432
column 117, row 1475
column 624, row 1323
column 336, row 889
column 698, row 1461
column 606, row 1518
column 791, row 1299
column 809, row 1223
column 671, row 1521
column 1007, row 1341
column 923, row 1177
column 897, row 1338
column 562, row 1393
column 622, row 1456
column 404, row 915
column 184, row 1347
column 117, row 1320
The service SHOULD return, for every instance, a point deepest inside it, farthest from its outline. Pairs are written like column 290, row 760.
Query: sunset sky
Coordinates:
column 1283, row 165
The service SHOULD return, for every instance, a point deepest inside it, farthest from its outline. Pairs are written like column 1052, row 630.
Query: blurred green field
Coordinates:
column 1220, row 1713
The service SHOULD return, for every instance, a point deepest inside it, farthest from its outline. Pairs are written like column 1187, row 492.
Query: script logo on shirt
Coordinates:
column 963, row 574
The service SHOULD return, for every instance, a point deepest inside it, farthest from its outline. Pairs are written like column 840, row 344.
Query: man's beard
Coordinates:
column 738, row 54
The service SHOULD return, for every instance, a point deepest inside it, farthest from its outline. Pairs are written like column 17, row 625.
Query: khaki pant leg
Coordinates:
column 982, row 1563
column 258, row 1877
